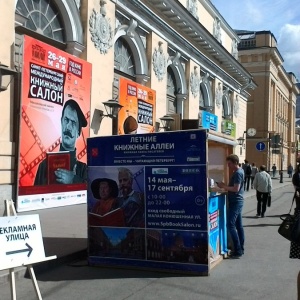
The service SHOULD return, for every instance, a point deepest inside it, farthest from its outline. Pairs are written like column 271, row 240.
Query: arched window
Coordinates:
column 171, row 91
column 123, row 61
column 205, row 95
column 43, row 17
column 226, row 105
column 176, row 85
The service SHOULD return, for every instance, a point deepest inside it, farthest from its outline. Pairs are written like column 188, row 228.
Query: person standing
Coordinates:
column 254, row 170
column 296, row 178
column 295, row 248
column 247, row 171
column 263, row 185
column 274, row 170
column 290, row 170
column 235, row 205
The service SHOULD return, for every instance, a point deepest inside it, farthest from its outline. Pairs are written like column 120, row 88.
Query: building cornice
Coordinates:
column 214, row 12
column 190, row 36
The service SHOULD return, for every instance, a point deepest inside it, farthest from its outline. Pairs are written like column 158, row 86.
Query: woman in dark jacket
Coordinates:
column 296, row 178
column 295, row 248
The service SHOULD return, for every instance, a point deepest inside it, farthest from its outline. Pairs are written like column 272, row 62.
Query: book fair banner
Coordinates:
column 55, row 112
column 147, row 201
column 139, row 106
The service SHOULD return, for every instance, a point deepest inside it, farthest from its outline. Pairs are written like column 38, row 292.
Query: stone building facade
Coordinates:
column 271, row 108
column 182, row 49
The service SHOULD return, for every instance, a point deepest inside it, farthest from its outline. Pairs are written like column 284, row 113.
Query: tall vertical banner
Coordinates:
column 54, row 126
column 147, row 201
column 138, row 112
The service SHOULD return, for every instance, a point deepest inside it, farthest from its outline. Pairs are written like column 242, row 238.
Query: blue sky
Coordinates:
column 281, row 17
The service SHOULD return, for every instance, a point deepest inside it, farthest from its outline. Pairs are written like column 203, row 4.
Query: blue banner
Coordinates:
column 147, row 201
column 209, row 121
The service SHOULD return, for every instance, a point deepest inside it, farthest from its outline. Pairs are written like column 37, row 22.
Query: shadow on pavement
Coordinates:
column 80, row 270
column 267, row 216
column 262, row 225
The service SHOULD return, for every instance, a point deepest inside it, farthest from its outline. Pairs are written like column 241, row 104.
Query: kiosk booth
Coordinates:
column 149, row 204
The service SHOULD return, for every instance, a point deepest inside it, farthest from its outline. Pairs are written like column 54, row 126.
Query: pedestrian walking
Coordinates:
column 290, row 170
column 295, row 248
column 296, row 178
column 235, row 205
column 274, row 168
column 247, row 172
column 254, row 170
column 263, row 185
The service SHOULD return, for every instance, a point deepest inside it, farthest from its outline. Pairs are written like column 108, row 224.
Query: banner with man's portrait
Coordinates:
column 54, row 125
column 139, row 107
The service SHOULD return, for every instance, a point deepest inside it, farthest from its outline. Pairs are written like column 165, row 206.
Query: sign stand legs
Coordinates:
column 12, row 284
column 10, row 211
column 9, row 208
column 34, row 281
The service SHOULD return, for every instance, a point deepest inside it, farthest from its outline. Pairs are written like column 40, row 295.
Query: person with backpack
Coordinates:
column 247, row 171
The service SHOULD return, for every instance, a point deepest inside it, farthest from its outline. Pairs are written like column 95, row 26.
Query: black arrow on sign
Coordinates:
column 29, row 249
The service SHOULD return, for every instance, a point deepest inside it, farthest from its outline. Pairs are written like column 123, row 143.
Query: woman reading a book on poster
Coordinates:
column 105, row 212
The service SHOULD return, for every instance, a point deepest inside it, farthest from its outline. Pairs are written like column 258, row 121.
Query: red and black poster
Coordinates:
column 54, row 125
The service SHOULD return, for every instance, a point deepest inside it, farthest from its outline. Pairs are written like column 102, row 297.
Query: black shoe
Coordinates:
column 234, row 255
column 262, row 215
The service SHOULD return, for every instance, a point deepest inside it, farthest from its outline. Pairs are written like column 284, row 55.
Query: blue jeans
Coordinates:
column 235, row 226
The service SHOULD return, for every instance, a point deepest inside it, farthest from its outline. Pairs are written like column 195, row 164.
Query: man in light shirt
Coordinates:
column 263, row 184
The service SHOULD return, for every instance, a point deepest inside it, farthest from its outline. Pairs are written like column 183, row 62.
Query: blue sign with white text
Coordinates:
column 209, row 121
column 147, row 201
column 175, row 197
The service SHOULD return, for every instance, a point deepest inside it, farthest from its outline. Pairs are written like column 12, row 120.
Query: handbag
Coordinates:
column 269, row 200
column 290, row 227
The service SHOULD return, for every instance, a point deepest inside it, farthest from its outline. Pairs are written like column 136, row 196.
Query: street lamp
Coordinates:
column 281, row 160
column 112, row 108
column 6, row 76
column 166, row 122
column 241, row 142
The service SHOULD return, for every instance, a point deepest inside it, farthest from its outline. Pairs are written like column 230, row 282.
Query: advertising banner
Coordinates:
column 55, row 112
column 147, row 201
column 229, row 128
column 138, row 112
column 208, row 120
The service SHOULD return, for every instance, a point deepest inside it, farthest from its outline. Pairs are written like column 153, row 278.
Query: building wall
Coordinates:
column 271, row 106
column 177, row 35
column 7, row 104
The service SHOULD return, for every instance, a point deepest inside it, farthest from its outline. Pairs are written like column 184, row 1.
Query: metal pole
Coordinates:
column 281, row 162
